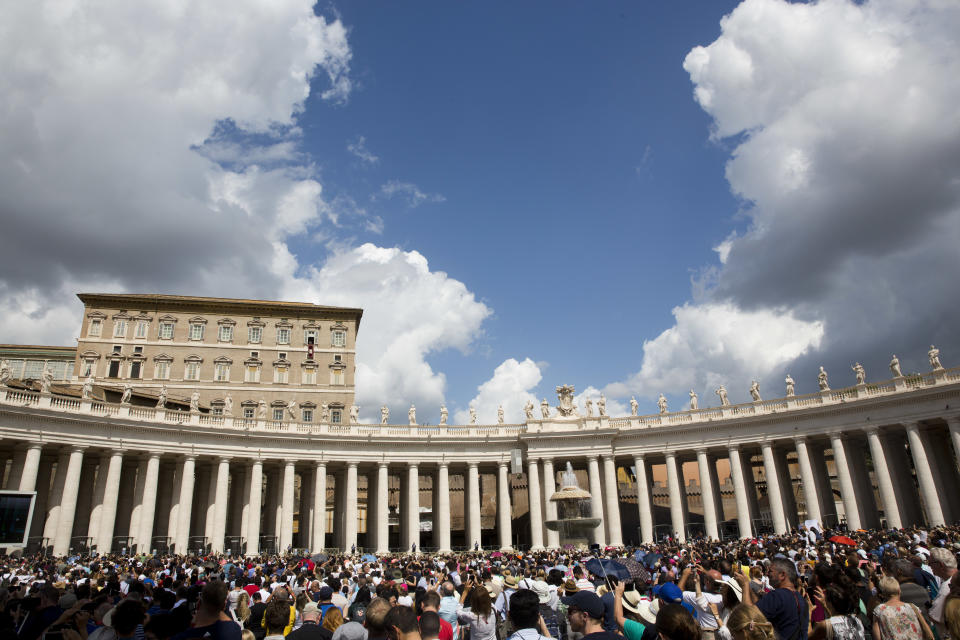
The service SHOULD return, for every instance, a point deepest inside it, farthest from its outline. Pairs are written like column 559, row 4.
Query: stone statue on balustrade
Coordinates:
column 324, row 412
column 791, row 385
column 195, row 401
column 722, row 392
column 634, row 406
column 544, row 408
column 662, row 403
column 755, row 391
column 443, row 414
column 694, row 401
column 262, row 409
column 292, row 409
column 46, row 379
column 384, row 414
column 822, row 380
column 588, row 407
column 934, row 355
column 412, row 415
column 528, row 409
column 895, row 367
column 566, row 407
column 228, row 406
column 473, row 415
column 500, row 414
column 86, row 391
column 354, row 414
column 860, row 373
column 602, row 405
column 162, row 398
column 127, row 392
column 4, row 372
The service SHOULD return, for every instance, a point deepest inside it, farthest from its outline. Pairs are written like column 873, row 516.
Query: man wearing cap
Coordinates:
column 502, row 604
column 585, row 615
column 311, row 629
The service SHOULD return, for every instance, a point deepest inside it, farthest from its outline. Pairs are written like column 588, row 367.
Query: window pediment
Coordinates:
column 162, row 358
column 253, row 362
column 339, row 326
column 121, row 315
column 308, row 364
column 198, row 320
column 248, row 403
column 226, row 322
column 193, row 358
column 90, row 355
column 335, row 405
column 283, row 362
column 338, row 365
column 284, row 324
column 308, row 405
column 97, row 314
column 313, row 324
column 144, row 317
column 256, row 322
column 223, row 360
column 278, row 404
column 168, row 318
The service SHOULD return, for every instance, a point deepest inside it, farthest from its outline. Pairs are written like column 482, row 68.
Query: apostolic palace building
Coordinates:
column 205, row 424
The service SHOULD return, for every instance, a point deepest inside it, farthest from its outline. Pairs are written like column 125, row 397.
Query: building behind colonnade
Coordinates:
column 210, row 424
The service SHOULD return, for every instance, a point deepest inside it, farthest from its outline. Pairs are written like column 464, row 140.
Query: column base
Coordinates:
column 444, row 551
column 538, row 547
column 507, row 549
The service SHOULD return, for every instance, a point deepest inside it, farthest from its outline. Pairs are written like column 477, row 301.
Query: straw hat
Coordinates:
column 570, row 586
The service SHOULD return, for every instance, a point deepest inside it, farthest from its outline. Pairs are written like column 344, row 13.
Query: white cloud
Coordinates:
column 409, row 313
column 711, row 344
column 511, row 386
column 409, row 192
column 358, row 147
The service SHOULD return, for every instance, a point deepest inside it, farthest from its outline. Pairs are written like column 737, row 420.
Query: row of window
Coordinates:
column 225, row 332
column 32, row 369
column 280, row 413
column 221, row 372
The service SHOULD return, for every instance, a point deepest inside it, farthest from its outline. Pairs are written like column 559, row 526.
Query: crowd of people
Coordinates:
column 807, row 585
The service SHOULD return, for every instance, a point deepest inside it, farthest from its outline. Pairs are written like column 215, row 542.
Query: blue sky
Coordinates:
column 632, row 198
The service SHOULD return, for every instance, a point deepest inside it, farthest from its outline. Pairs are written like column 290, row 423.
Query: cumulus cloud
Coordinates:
column 409, row 313
column 409, row 193
column 358, row 147
column 511, row 387
column 847, row 152
column 712, row 344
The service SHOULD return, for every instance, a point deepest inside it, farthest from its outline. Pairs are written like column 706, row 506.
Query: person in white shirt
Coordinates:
column 944, row 565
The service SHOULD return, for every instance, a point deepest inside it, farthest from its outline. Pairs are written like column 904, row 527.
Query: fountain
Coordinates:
column 574, row 518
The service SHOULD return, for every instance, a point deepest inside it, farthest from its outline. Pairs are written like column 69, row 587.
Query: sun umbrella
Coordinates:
column 637, row 571
column 651, row 559
column 607, row 567
column 320, row 558
column 850, row 542
column 496, row 554
column 368, row 557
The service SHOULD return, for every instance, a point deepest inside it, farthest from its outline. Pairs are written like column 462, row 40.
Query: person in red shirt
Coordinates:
column 431, row 602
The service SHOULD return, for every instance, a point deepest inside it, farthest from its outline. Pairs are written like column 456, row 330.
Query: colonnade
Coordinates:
column 141, row 500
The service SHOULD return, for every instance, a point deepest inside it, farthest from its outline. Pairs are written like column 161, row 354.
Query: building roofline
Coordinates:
column 163, row 301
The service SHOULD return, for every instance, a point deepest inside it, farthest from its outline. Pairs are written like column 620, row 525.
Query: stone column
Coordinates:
column 847, row 490
column 44, row 476
column 549, row 507
column 350, row 510
column 220, row 511
column 884, row 482
column 596, row 504
column 473, row 501
column 611, row 492
column 255, row 508
column 504, row 515
column 133, row 531
column 99, row 488
column 643, row 499
column 16, row 469
column 68, row 503
column 707, row 495
column 319, row 506
column 412, row 516
column 56, row 494
column 382, row 539
column 953, row 423
column 148, row 506
column 535, row 508
column 286, row 507
column 185, row 503
column 443, row 508
column 111, row 496
column 774, row 494
column 740, row 493
column 928, row 487
column 808, row 481
column 676, row 505
column 31, row 466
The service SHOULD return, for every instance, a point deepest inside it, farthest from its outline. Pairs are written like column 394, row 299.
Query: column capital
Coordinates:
column 222, row 459
column 609, row 456
column 381, row 464
column 910, row 425
column 592, row 456
column 837, row 435
column 152, row 454
column 640, row 456
column 473, row 464
column 189, row 457
column 503, row 464
column 702, row 450
column 443, row 464
column 350, row 465
column 871, row 429
column 953, row 420
column 413, row 464
column 76, row 448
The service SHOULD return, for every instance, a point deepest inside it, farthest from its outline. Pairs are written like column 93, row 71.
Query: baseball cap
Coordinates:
column 325, row 593
column 586, row 601
column 311, row 607
column 668, row 592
